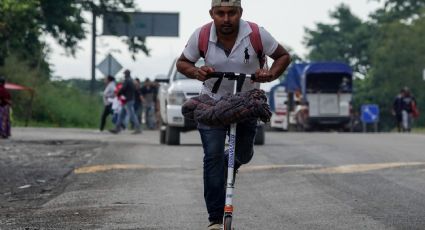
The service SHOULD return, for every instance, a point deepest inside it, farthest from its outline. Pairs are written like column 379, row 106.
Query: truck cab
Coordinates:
column 174, row 90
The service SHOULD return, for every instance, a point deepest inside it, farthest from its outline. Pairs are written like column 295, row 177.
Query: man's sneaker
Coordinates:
column 215, row 226
column 137, row 131
column 114, row 131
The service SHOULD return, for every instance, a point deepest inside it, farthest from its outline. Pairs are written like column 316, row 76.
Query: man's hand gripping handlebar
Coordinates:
column 205, row 72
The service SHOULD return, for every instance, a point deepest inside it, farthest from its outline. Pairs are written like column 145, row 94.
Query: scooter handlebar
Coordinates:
column 231, row 75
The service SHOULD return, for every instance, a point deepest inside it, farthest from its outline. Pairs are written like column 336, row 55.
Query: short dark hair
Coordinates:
column 2, row 80
column 127, row 73
column 110, row 78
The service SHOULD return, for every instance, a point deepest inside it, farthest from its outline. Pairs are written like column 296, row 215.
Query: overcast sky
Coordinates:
column 284, row 19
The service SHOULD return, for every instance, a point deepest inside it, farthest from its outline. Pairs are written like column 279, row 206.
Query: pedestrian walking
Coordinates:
column 5, row 104
column 397, row 109
column 138, row 107
column 408, row 107
column 148, row 96
column 108, row 96
column 228, row 48
column 128, row 91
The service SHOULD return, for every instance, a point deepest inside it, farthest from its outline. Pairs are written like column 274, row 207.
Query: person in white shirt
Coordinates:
column 229, row 50
column 108, row 95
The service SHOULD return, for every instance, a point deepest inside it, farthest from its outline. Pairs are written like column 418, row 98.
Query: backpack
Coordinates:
column 255, row 38
column 415, row 110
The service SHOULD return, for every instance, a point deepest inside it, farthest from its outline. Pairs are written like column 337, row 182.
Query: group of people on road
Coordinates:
column 405, row 110
column 125, row 102
column 5, row 103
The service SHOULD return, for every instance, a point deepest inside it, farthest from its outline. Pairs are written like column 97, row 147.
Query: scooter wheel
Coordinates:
column 227, row 223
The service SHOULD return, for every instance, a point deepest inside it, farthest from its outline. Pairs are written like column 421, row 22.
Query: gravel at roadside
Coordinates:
column 33, row 172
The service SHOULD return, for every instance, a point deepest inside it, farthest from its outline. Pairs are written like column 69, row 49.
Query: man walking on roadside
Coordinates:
column 128, row 90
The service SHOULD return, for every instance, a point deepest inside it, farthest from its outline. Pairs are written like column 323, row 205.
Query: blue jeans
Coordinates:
column 129, row 110
column 215, row 164
column 150, row 116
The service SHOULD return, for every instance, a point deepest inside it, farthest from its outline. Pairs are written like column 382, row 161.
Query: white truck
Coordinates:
column 174, row 90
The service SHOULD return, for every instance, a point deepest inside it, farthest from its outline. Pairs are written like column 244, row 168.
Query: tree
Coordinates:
column 398, row 60
column 396, row 10
column 347, row 40
column 22, row 24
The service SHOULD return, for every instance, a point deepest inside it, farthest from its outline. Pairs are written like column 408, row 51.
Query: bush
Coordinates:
column 55, row 103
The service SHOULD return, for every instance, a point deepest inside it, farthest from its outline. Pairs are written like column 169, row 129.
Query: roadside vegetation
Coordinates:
column 387, row 52
column 58, row 103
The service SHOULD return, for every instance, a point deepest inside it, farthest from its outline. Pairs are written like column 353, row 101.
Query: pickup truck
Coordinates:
column 173, row 91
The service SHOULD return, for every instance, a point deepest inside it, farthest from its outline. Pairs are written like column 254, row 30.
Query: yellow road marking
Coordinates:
column 343, row 169
column 359, row 168
column 104, row 168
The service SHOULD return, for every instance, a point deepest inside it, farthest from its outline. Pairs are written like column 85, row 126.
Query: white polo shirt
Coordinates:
column 235, row 62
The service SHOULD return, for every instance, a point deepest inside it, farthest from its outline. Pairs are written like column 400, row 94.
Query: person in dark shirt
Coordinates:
column 138, row 101
column 407, row 103
column 397, row 108
column 148, row 94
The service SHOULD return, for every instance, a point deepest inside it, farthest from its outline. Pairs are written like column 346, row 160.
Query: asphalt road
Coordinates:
column 295, row 181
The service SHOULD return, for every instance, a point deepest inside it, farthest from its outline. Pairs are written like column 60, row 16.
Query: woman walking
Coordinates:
column 5, row 103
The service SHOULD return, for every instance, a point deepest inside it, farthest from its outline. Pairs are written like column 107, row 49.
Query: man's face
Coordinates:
column 226, row 19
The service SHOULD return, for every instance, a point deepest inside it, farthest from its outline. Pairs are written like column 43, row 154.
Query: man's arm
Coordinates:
column 188, row 68
column 281, row 59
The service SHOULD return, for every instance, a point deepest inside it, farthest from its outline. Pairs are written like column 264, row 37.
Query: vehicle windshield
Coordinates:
column 180, row 76
column 329, row 83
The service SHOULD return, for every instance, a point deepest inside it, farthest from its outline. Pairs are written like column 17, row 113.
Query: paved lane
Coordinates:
column 296, row 181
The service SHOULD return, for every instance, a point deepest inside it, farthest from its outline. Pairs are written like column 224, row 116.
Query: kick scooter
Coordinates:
column 228, row 207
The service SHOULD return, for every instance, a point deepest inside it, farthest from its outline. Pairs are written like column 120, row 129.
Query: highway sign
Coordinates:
column 370, row 113
column 141, row 24
column 423, row 74
column 109, row 66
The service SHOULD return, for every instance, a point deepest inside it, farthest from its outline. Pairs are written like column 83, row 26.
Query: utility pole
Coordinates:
column 93, row 57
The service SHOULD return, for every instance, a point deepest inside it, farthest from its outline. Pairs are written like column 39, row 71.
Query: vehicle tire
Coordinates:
column 260, row 136
column 162, row 134
column 227, row 223
column 172, row 136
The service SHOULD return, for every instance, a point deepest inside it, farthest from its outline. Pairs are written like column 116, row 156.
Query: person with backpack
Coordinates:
column 397, row 109
column 228, row 44
column 408, row 109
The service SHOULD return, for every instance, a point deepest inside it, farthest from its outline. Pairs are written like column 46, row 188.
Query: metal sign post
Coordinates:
column 93, row 56
column 423, row 74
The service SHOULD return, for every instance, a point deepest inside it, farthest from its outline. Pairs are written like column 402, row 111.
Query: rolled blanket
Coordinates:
column 229, row 109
